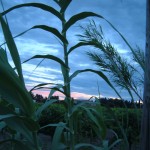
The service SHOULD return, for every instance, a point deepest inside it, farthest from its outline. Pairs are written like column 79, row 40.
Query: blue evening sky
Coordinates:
column 128, row 16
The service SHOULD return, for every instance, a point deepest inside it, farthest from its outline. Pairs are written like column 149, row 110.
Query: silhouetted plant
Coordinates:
column 24, row 119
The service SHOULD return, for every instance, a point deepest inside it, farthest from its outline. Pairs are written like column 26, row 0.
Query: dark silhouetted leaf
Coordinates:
column 78, row 17
column 37, row 5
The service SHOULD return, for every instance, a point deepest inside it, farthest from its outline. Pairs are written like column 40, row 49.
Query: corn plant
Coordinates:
column 12, row 86
column 13, row 90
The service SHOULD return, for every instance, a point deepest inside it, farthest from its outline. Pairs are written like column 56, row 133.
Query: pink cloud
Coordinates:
column 75, row 95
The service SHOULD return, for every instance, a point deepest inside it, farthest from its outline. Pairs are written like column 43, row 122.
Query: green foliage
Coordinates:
column 12, row 47
column 53, row 114
column 131, row 125
column 21, row 116
column 86, row 126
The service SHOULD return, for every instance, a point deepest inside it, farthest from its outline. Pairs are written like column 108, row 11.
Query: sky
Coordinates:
column 128, row 16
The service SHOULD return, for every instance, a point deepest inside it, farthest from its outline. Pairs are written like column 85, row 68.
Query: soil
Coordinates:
column 46, row 142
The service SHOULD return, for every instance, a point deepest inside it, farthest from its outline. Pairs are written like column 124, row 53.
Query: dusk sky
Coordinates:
column 128, row 16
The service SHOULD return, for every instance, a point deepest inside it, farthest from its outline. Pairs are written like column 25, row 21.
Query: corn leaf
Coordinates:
column 40, row 85
column 65, row 5
column 6, row 116
column 105, row 144
column 45, row 28
column 99, row 73
column 43, row 107
column 54, row 90
column 3, row 55
column 30, row 124
column 100, row 128
column 15, row 123
column 12, row 89
column 86, row 145
column 115, row 143
column 58, row 60
column 78, row 106
column 37, row 5
column 119, row 125
column 52, row 30
column 79, row 45
column 12, row 48
column 12, row 96
column 56, row 143
column 78, row 17
column 56, row 125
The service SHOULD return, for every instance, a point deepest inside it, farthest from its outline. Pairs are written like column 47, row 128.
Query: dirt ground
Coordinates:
column 46, row 142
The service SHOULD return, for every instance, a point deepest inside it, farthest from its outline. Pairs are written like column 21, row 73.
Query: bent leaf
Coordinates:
column 45, row 28
column 99, row 73
column 56, row 59
column 114, row 143
column 84, row 145
column 79, row 45
column 60, row 124
column 18, row 125
column 54, row 89
column 77, row 106
column 43, row 107
column 65, row 5
column 56, row 143
column 40, row 85
column 52, row 30
column 6, row 116
column 94, row 116
column 78, row 17
column 37, row 5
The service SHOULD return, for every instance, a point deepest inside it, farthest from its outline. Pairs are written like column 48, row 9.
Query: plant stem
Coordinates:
column 35, row 139
column 70, row 139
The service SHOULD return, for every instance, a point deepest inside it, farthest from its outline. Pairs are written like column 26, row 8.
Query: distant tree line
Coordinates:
column 106, row 102
column 117, row 103
column 40, row 99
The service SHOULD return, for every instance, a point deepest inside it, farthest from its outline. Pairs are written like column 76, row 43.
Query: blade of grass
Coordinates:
column 58, row 60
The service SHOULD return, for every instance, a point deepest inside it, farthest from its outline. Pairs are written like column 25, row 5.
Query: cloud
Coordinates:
column 75, row 95
column 83, row 96
column 127, row 16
